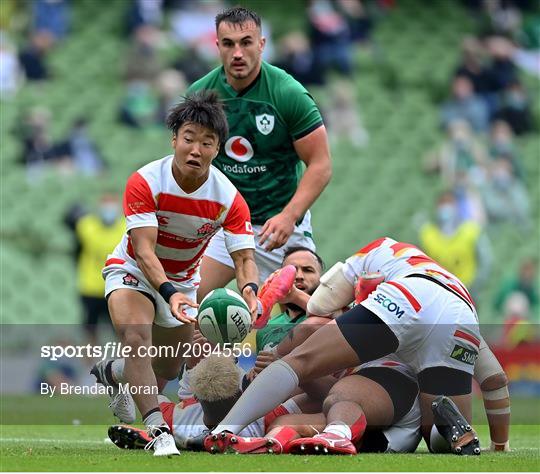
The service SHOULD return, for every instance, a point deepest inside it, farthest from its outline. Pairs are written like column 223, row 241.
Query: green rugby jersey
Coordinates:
column 264, row 120
column 276, row 330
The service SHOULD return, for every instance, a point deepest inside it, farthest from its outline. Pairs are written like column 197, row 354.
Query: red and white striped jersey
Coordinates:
column 398, row 259
column 186, row 221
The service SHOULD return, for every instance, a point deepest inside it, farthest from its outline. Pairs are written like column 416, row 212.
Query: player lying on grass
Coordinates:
column 420, row 312
column 375, row 409
column 384, row 390
column 215, row 382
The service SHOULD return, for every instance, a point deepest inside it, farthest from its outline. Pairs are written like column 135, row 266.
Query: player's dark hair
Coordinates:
column 203, row 108
column 299, row 248
column 237, row 16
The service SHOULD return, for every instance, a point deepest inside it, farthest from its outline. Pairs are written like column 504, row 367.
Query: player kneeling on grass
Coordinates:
column 420, row 312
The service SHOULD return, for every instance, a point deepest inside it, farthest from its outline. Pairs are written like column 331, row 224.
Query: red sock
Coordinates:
column 284, row 435
column 358, row 428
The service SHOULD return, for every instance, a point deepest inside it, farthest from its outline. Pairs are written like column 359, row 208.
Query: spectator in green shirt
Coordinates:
column 525, row 282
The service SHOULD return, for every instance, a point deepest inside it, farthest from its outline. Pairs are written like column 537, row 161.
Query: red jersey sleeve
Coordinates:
column 237, row 226
column 238, row 220
column 139, row 203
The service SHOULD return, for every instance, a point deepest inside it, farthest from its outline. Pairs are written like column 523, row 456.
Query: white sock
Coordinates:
column 339, row 429
column 117, row 370
column 154, row 419
column 271, row 387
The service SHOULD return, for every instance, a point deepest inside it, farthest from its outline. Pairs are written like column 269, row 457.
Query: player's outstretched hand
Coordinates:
column 276, row 231
column 251, row 300
column 264, row 359
column 177, row 301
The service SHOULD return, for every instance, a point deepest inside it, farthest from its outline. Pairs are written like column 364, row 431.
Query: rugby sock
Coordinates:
column 154, row 419
column 282, row 435
column 270, row 388
column 339, row 429
column 116, row 368
column 358, row 428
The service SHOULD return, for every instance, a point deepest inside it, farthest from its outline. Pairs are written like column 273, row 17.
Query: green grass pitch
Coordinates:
column 79, row 445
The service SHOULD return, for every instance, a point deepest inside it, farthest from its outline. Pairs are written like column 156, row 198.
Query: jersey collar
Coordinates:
column 245, row 90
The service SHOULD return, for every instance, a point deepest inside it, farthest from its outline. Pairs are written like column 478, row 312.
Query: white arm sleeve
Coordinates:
column 334, row 292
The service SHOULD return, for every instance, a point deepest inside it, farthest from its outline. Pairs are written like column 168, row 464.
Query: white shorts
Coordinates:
column 129, row 277
column 405, row 435
column 434, row 327
column 267, row 262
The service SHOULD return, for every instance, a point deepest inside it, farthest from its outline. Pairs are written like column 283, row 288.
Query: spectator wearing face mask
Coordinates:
column 97, row 233
column 505, row 196
column 501, row 143
column 459, row 245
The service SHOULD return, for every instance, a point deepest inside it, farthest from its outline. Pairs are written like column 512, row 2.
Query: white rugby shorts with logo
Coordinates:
column 267, row 262
column 129, row 277
column 431, row 323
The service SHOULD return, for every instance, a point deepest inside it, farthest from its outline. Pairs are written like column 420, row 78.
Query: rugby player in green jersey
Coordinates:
column 275, row 128
column 309, row 267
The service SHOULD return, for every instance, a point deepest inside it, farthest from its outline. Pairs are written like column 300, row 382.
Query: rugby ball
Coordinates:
column 224, row 317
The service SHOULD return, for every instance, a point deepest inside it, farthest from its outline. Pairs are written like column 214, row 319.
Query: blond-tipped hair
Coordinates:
column 215, row 378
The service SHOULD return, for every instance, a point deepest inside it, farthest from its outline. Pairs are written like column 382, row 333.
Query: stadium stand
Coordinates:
column 377, row 190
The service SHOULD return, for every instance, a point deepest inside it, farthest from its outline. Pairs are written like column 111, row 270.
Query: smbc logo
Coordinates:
column 239, row 149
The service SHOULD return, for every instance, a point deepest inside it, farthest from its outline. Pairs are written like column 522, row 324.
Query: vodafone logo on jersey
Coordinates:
column 239, row 149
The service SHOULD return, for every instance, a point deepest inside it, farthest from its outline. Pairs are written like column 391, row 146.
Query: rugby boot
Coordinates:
column 162, row 442
column 122, row 404
column 453, row 427
column 323, row 443
column 366, row 284
column 238, row 444
column 196, row 443
column 217, row 443
column 275, row 288
column 128, row 437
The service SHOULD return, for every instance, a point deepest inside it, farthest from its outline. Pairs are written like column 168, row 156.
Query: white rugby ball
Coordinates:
column 224, row 317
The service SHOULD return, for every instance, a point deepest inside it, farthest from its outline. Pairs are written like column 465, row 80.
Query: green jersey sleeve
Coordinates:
column 299, row 109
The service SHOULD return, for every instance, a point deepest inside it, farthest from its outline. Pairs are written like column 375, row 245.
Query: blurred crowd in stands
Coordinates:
column 333, row 30
column 171, row 43
column 479, row 162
